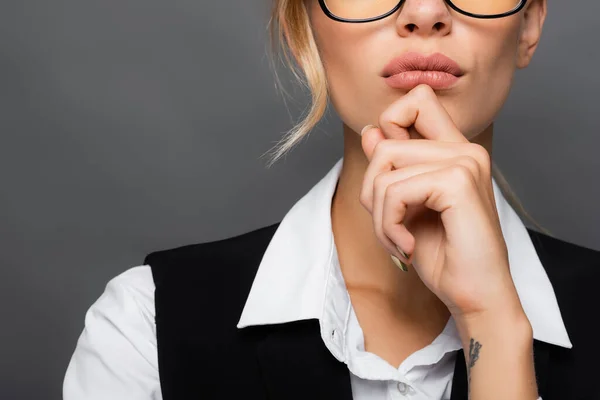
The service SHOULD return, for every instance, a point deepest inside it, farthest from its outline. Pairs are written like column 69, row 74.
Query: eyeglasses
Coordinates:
column 357, row 11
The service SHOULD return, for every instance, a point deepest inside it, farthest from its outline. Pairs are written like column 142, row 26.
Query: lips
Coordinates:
column 412, row 69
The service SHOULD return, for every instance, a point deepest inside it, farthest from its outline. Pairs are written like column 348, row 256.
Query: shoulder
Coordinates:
column 561, row 254
column 116, row 354
column 126, row 297
column 574, row 272
column 135, row 282
column 190, row 280
column 125, row 308
column 206, row 260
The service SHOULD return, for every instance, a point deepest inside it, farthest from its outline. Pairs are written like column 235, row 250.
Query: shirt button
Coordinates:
column 403, row 388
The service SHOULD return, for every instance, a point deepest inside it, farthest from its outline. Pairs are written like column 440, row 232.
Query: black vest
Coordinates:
column 201, row 290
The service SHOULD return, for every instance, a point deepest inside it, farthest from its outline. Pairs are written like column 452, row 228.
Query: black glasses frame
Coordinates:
column 393, row 10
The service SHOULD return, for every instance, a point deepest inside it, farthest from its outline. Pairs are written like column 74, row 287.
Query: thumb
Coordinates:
column 370, row 136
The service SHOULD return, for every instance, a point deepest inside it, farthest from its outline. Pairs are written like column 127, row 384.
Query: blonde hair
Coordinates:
column 291, row 33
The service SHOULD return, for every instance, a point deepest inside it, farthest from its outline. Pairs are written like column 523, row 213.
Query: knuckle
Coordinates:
column 380, row 149
column 384, row 118
column 470, row 163
column 389, row 193
column 378, row 180
column 362, row 198
column 480, row 154
column 461, row 175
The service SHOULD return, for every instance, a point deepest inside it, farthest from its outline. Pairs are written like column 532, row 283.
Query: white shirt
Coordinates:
column 298, row 278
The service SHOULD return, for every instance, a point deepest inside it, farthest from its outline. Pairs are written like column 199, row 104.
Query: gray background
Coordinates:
column 131, row 126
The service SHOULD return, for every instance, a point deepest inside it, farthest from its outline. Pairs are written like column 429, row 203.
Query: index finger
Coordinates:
column 420, row 107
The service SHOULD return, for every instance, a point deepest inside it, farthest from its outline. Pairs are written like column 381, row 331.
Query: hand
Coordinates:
column 433, row 198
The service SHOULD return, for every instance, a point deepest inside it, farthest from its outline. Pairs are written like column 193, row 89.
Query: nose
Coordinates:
column 424, row 18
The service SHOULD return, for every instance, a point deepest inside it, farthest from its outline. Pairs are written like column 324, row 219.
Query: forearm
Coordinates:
column 499, row 355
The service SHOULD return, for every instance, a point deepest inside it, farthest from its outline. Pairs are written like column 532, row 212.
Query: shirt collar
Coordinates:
column 290, row 283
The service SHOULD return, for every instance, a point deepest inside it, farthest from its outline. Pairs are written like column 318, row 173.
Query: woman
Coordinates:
column 403, row 274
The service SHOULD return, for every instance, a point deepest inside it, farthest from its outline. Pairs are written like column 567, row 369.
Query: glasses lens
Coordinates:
column 487, row 7
column 365, row 9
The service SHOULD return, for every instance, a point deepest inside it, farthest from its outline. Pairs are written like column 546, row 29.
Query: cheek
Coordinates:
column 351, row 55
column 354, row 87
column 493, row 51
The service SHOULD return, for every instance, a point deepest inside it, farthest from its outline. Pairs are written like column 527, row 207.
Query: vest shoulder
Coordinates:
column 559, row 251
column 213, row 257
column 574, row 272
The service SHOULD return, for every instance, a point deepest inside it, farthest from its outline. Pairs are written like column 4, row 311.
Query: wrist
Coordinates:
column 508, row 324
column 498, row 348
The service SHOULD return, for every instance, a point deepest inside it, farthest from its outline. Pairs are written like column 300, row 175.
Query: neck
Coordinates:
column 365, row 262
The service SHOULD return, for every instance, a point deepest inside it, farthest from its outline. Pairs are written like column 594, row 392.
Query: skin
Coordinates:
column 412, row 193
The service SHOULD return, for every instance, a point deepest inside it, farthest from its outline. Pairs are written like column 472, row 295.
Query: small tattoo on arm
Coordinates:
column 473, row 357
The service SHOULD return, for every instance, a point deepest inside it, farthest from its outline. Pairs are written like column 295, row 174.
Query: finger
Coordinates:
column 371, row 135
column 391, row 155
column 449, row 191
column 402, row 153
column 422, row 108
column 380, row 188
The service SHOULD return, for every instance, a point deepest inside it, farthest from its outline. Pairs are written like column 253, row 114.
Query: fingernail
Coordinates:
column 399, row 263
column 406, row 256
column 366, row 128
